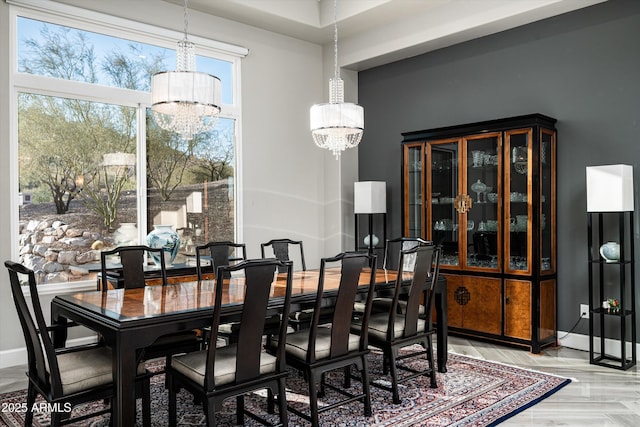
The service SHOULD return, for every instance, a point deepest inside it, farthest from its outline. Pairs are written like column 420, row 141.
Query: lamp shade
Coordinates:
column 370, row 197
column 610, row 188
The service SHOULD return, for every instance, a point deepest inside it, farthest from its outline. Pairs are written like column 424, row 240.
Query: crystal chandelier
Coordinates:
column 185, row 101
column 337, row 125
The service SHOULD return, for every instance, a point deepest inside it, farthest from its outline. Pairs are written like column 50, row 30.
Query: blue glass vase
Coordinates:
column 163, row 236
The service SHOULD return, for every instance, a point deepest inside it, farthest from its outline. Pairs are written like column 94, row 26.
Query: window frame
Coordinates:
column 87, row 20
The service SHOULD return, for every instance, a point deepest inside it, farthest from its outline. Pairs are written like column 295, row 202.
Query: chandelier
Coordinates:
column 337, row 125
column 185, row 101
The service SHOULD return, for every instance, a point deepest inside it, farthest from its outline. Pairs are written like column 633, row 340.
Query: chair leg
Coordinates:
column 347, row 376
column 240, row 409
column 146, row 402
column 313, row 400
column 31, row 399
column 434, row 383
column 172, row 404
column 282, row 402
column 210, row 413
column 394, row 376
column 365, row 387
column 322, row 379
column 271, row 407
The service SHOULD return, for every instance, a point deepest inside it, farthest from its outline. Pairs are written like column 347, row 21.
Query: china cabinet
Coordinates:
column 612, row 312
column 486, row 193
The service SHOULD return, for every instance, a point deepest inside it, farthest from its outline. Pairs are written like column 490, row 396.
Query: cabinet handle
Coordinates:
column 462, row 203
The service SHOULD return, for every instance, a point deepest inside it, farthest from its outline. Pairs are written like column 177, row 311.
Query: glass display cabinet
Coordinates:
column 485, row 192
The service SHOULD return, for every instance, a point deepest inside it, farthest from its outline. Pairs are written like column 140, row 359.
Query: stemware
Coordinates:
column 478, row 187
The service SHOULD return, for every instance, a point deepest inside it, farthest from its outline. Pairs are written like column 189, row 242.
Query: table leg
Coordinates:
column 59, row 335
column 441, row 327
column 125, row 371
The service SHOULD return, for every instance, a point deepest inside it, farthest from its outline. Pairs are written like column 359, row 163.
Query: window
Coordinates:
column 88, row 147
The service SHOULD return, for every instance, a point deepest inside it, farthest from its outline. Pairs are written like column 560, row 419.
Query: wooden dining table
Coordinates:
column 131, row 319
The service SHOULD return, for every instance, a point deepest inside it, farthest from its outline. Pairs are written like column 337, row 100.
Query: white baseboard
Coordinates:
column 581, row 342
column 18, row 356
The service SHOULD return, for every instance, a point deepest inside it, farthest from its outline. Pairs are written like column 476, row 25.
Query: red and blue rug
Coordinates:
column 472, row 393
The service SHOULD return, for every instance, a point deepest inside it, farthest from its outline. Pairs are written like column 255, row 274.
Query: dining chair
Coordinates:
column 132, row 260
column 320, row 349
column 220, row 253
column 280, row 248
column 392, row 330
column 64, row 377
column 219, row 373
column 130, row 273
column 391, row 258
column 392, row 255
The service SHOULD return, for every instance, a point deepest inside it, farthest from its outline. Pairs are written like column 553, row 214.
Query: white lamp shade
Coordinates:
column 610, row 188
column 370, row 197
column 194, row 202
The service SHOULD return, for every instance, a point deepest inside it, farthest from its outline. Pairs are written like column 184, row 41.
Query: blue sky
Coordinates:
column 103, row 45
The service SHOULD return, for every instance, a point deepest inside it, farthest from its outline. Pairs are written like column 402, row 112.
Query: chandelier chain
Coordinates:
column 186, row 19
column 335, row 38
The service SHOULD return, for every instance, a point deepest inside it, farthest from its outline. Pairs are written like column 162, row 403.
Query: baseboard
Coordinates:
column 581, row 342
column 18, row 356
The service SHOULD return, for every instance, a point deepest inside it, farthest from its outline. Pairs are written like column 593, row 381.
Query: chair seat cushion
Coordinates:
column 85, row 369
column 298, row 343
column 379, row 324
column 193, row 365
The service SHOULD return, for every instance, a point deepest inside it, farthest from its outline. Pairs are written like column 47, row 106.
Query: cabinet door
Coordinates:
column 517, row 309
column 442, row 189
column 481, row 240
column 547, row 201
column 518, row 201
column 413, row 190
column 474, row 303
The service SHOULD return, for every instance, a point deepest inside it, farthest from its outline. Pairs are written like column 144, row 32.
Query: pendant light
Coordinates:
column 185, row 101
column 337, row 125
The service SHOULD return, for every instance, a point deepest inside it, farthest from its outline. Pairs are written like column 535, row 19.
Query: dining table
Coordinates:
column 128, row 320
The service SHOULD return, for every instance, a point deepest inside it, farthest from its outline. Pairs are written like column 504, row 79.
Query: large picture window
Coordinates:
column 94, row 169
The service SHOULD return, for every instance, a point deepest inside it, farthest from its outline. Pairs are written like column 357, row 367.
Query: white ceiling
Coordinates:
column 376, row 32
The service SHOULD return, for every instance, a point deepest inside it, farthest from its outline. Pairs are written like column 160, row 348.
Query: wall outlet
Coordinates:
column 584, row 311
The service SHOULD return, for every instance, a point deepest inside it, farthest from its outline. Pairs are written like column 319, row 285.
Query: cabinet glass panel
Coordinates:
column 518, row 209
column 547, row 145
column 482, row 220
column 444, row 190
column 415, row 187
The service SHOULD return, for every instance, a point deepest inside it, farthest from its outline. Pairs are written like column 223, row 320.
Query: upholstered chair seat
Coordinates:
column 193, row 365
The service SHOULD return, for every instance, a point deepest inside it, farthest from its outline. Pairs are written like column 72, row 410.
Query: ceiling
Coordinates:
column 376, row 32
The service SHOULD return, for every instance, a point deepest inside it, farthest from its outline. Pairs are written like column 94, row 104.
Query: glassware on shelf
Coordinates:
column 477, row 158
column 478, row 187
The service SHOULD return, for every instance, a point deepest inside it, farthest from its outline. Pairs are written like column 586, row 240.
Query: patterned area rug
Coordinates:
column 472, row 393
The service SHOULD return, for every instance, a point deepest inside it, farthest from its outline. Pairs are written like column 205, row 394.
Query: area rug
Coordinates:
column 472, row 393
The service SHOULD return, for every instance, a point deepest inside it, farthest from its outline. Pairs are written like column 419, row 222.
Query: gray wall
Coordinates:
column 581, row 68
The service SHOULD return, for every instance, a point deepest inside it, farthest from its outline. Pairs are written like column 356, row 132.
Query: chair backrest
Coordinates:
column 421, row 288
column 42, row 362
column 220, row 253
column 280, row 249
column 390, row 261
column 133, row 259
column 351, row 266
column 260, row 284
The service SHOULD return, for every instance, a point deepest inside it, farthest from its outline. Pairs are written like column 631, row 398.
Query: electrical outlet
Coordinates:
column 584, row 311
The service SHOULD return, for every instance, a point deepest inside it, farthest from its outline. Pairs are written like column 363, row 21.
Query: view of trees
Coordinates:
column 64, row 143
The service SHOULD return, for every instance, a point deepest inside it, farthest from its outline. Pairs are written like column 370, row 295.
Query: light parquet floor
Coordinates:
column 598, row 396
